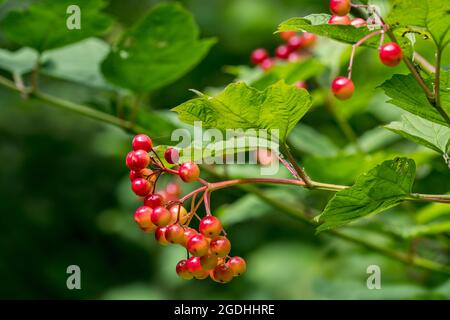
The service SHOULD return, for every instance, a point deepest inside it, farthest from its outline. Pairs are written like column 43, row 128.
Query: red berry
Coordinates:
column 160, row 236
column 140, row 187
column 182, row 270
column 173, row 189
column 391, row 54
column 137, row 160
column 161, row 216
column 308, row 39
column 300, row 84
column 267, row 64
column 178, row 212
column 198, row 245
column 339, row 20
column 142, row 216
column 188, row 234
column 220, row 246
column 340, row 7
column 194, row 266
column 286, row 35
column 153, row 200
column 142, row 142
column 282, row 52
column 294, row 43
column 134, row 174
column 238, row 265
column 174, row 233
column 189, row 172
column 209, row 261
column 171, row 155
column 259, row 55
column 210, row 226
column 222, row 273
column 342, row 88
column 358, row 22
column 202, row 275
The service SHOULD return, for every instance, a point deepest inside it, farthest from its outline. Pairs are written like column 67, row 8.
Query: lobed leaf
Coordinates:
column 239, row 106
column 157, row 50
column 381, row 188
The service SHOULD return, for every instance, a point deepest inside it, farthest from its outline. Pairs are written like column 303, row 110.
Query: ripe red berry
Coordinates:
column 340, row 7
column 259, row 55
column 194, row 266
column 391, row 54
column 142, row 142
column 342, row 88
column 286, row 35
column 300, row 84
column 238, row 265
column 267, row 64
column 188, row 234
column 189, row 172
column 142, row 216
column 282, row 52
column 140, row 187
column 160, row 216
column 222, row 273
column 294, row 43
column 182, row 270
column 137, row 160
column 174, row 233
column 134, row 175
column 160, row 236
column 339, row 20
column 358, row 22
column 171, row 155
column 153, row 200
column 220, row 246
column 209, row 261
column 198, row 245
column 210, row 226
column 308, row 39
column 178, row 212
column 173, row 189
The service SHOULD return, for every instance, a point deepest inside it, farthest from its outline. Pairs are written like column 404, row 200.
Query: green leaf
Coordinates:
column 19, row 62
column 444, row 91
column 318, row 24
column 426, row 229
column 42, row 25
column 424, row 132
column 381, row 188
column 157, row 50
column 433, row 211
column 79, row 62
column 406, row 93
column 433, row 15
column 278, row 107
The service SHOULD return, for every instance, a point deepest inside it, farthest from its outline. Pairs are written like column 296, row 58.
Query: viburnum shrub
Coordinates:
column 305, row 75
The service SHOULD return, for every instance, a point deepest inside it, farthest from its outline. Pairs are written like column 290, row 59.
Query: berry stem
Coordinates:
column 206, row 199
column 356, row 45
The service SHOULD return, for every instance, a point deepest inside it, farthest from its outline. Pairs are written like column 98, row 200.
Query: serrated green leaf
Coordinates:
column 278, row 107
column 433, row 15
column 157, row 50
column 19, row 62
column 318, row 24
column 406, row 93
column 42, row 25
column 424, row 132
column 79, row 62
column 381, row 188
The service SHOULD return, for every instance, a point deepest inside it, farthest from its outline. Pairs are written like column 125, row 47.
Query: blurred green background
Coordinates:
column 65, row 198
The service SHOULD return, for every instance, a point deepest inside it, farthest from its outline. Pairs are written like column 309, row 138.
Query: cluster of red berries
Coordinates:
column 163, row 213
column 295, row 48
column 390, row 54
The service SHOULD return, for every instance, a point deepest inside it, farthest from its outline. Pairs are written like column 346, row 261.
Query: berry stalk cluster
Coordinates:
column 163, row 214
